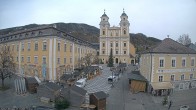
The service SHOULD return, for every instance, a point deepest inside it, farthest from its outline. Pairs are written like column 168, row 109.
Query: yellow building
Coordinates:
column 45, row 52
column 170, row 65
column 117, row 39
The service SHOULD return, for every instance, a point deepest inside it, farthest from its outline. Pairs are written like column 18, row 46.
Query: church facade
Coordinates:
column 116, row 39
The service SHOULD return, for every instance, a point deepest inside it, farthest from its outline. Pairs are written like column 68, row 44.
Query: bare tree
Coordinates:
column 7, row 65
column 184, row 39
column 96, row 59
column 88, row 59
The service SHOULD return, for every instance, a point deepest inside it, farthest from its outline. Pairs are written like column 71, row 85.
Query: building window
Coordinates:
column 124, row 31
column 173, row 63
column 182, row 77
column 17, row 58
column 161, row 63
column 192, row 62
column 22, row 59
column 124, row 52
column 44, row 59
column 183, row 62
column 172, row 77
column 17, row 47
column 78, row 50
column 103, row 52
column 22, row 47
column 116, row 33
column 44, row 46
column 35, row 59
column 58, row 61
column 70, row 60
column 116, row 52
column 36, row 46
column 64, row 60
column 71, row 48
column 12, row 47
column 111, row 34
column 59, row 46
column 191, row 76
column 116, row 44
column 125, row 45
column 29, row 46
column 160, row 78
column 8, row 48
column 65, row 47
column 28, row 59
column 111, row 44
column 103, row 32
column 103, row 44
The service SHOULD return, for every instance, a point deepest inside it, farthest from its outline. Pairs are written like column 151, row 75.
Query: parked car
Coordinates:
column 81, row 82
column 184, row 107
column 111, row 79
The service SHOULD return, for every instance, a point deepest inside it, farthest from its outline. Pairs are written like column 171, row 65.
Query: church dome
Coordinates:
column 124, row 14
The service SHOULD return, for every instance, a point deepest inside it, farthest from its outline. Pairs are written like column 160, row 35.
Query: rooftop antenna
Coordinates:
column 104, row 11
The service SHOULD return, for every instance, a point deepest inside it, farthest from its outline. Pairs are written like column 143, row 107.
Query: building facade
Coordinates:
column 170, row 65
column 45, row 52
column 117, row 39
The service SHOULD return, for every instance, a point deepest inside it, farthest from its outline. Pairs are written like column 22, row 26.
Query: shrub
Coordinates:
column 165, row 101
column 61, row 104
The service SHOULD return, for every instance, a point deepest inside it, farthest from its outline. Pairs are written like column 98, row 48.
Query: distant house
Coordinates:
column 90, row 71
column 99, row 100
column 75, row 95
column 67, row 79
column 192, row 46
column 31, row 84
column 49, row 90
column 137, row 82
column 170, row 65
column 121, row 67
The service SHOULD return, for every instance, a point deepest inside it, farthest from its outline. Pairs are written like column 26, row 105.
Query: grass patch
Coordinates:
column 4, row 88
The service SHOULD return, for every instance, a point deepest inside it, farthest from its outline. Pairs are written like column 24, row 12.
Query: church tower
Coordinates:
column 124, row 24
column 117, row 39
column 104, row 24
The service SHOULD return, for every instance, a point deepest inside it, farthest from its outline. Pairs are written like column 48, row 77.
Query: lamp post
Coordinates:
column 112, row 69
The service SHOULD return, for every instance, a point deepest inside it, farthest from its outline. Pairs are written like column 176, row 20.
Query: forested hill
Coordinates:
column 90, row 34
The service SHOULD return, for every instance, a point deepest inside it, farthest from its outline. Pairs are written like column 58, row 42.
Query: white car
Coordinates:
column 81, row 83
column 111, row 79
column 184, row 107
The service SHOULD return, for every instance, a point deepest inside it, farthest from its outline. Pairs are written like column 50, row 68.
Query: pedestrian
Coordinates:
column 170, row 103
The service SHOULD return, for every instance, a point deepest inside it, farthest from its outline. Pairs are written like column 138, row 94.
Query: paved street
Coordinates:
column 120, row 98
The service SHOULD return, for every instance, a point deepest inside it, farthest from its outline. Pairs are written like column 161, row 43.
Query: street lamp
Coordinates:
column 112, row 69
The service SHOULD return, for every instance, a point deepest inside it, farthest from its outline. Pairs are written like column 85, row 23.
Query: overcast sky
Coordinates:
column 156, row 18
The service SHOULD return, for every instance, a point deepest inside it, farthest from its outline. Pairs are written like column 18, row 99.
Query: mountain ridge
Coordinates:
column 89, row 33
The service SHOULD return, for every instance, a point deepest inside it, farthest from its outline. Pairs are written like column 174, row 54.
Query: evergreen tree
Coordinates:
column 111, row 60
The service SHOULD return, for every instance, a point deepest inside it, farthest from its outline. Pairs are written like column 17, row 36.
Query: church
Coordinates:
column 116, row 39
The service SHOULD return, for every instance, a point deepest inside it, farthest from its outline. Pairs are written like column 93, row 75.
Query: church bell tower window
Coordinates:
column 124, row 31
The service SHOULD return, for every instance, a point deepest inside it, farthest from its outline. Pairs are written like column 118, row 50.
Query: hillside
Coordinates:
column 142, row 42
column 82, row 31
column 90, row 34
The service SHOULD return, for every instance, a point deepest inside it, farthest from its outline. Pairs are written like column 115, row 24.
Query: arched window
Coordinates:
column 103, row 32
column 124, row 31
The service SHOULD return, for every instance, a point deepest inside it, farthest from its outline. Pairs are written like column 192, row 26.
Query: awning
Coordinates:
column 161, row 85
